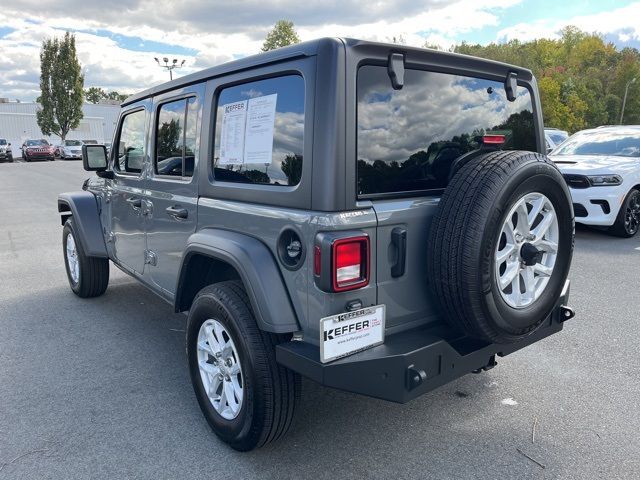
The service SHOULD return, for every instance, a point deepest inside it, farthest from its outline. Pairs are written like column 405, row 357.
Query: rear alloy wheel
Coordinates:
column 628, row 220
column 220, row 369
column 247, row 398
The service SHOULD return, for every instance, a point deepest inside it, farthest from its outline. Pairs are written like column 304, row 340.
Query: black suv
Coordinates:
column 375, row 217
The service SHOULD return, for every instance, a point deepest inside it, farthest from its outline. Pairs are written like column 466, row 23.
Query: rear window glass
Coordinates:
column 410, row 139
column 259, row 132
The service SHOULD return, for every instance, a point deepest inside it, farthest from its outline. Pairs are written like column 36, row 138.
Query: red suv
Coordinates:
column 37, row 150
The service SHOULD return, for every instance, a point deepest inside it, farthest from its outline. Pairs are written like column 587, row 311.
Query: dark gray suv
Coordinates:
column 375, row 217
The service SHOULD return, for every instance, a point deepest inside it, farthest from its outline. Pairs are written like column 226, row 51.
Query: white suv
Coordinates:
column 602, row 168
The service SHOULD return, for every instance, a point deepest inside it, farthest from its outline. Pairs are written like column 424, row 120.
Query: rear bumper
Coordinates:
column 410, row 363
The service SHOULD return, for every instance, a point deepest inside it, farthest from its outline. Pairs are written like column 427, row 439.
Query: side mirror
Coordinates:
column 94, row 158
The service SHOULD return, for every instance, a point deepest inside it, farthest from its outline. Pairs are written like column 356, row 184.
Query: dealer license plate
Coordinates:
column 350, row 332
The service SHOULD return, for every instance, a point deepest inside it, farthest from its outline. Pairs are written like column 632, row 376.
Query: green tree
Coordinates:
column 580, row 76
column 169, row 135
column 94, row 94
column 61, row 83
column 115, row 95
column 292, row 168
column 283, row 34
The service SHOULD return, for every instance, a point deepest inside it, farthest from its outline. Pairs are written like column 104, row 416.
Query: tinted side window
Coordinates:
column 176, row 138
column 410, row 139
column 131, row 149
column 259, row 132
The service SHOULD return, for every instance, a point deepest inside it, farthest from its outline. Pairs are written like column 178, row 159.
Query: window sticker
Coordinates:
column 261, row 117
column 247, row 131
column 233, row 131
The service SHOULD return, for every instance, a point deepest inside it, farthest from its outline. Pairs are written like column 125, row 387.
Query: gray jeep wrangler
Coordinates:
column 377, row 218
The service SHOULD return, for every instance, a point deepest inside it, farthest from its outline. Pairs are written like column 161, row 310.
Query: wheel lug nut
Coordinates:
column 227, row 378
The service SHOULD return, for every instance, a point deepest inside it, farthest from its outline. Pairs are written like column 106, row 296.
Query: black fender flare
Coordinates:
column 83, row 207
column 257, row 269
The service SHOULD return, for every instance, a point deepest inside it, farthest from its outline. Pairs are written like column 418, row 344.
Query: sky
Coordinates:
column 118, row 40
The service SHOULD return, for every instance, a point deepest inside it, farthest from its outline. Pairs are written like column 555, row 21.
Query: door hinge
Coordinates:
column 150, row 258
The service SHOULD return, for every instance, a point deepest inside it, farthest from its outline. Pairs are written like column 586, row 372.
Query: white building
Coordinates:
column 18, row 123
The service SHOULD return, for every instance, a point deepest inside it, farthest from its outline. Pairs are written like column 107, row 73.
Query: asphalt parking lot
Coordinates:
column 100, row 389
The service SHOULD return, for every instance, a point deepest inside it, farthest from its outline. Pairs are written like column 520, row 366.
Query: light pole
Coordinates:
column 624, row 101
column 169, row 66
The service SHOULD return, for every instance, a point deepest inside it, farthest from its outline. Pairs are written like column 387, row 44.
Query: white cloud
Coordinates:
column 621, row 22
column 239, row 29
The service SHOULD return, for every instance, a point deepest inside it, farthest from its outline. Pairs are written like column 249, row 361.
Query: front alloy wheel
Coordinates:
column 72, row 259
column 88, row 276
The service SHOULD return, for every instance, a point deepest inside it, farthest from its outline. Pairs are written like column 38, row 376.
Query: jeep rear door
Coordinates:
column 172, row 187
column 408, row 142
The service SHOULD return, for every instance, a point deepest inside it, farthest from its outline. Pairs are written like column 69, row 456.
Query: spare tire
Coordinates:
column 500, row 245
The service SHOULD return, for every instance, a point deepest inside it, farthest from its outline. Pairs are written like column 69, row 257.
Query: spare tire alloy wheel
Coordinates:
column 526, row 250
column 500, row 245
column 220, row 369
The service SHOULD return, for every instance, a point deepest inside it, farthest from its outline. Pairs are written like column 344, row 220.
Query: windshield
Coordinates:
column 72, row 143
column 619, row 144
column 3, row 141
column 558, row 137
column 35, row 143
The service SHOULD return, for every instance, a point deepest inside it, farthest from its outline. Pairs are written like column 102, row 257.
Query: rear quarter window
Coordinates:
column 408, row 140
column 259, row 132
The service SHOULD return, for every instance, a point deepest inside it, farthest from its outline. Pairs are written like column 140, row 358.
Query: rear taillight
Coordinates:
column 350, row 263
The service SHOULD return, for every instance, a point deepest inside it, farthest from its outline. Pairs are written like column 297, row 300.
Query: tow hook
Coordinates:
column 566, row 313
column 415, row 377
column 492, row 363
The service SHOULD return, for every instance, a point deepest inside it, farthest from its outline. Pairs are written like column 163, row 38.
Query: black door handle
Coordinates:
column 135, row 202
column 399, row 241
column 177, row 212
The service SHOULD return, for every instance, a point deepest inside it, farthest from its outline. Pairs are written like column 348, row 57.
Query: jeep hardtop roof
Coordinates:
column 362, row 47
